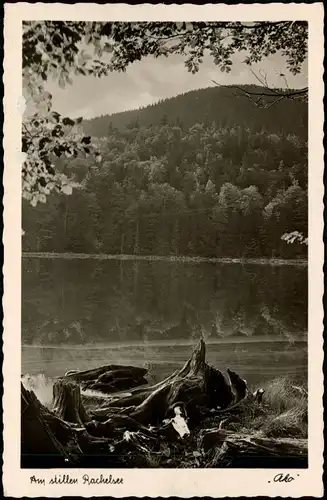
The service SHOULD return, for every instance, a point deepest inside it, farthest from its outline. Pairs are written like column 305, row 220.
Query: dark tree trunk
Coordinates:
column 38, row 441
column 67, row 403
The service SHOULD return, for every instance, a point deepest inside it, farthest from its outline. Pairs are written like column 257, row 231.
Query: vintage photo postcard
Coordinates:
column 163, row 241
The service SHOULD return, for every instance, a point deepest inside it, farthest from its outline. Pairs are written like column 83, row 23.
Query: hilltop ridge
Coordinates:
column 227, row 106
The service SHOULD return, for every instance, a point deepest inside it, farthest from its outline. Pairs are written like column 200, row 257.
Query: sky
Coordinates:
column 147, row 81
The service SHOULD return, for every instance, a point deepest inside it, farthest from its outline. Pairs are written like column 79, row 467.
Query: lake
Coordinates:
column 84, row 313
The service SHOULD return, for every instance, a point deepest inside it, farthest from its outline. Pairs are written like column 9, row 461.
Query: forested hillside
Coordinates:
column 205, row 174
column 227, row 106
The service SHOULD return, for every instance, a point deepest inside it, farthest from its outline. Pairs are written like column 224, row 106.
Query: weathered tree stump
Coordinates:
column 67, row 403
column 195, row 385
column 48, row 441
column 38, row 440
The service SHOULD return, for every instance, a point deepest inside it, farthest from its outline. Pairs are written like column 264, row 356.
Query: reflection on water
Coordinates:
column 82, row 313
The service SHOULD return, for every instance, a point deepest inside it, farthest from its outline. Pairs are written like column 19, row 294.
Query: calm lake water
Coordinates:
column 84, row 313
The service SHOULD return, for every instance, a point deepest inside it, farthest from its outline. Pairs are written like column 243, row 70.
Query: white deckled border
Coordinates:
column 160, row 482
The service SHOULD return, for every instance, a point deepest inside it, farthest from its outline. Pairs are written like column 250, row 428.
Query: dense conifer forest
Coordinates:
column 206, row 173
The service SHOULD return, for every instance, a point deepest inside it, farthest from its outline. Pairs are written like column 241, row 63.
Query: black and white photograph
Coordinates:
column 165, row 247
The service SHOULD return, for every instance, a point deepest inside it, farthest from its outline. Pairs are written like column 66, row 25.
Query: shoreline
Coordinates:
column 169, row 343
column 169, row 258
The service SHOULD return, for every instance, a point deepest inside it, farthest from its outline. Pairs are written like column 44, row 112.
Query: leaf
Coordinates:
column 58, row 151
column 42, row 181
column 68, row 122
column 47, row 96
column 67, row 189
column 61, row 81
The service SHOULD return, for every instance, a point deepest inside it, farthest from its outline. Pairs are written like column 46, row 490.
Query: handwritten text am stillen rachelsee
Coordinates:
column 85, row 480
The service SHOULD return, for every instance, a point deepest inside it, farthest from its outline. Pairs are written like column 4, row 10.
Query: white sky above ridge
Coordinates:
column 151, row 79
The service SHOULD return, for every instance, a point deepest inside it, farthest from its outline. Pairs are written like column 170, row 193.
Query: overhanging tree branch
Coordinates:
column 258, row 98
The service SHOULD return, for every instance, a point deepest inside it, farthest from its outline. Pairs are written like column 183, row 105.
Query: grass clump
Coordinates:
column 282, row 413
column 287, row 406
